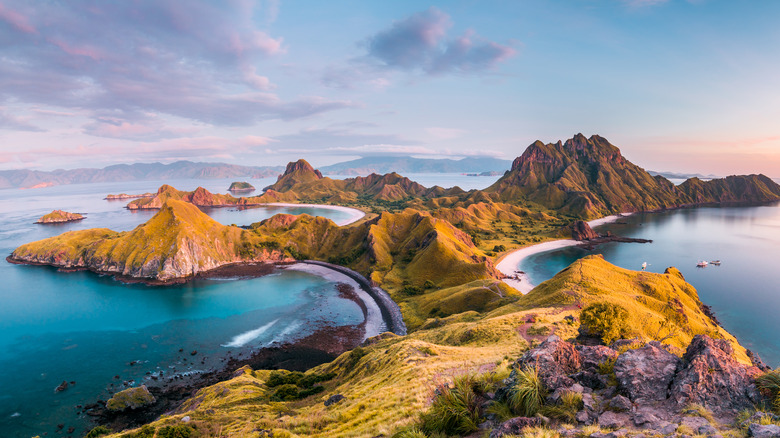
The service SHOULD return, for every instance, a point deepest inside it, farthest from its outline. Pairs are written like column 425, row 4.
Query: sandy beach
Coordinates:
column 374, row 321
column 354, row 214
column 508, row 265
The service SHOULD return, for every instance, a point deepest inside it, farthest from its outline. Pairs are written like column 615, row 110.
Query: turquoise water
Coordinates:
column 743, row 291
column 88, row 328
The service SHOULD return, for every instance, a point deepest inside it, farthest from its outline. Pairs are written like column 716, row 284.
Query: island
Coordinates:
column 123, row 196
column 59, row 217
column 238, row 187
column 597, row 350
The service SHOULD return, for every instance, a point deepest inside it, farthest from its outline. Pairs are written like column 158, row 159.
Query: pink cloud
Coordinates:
column 90, row 52
column 16, row 20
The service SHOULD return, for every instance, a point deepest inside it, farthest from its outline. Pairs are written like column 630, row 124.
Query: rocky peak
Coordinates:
column 300, row 166
column 580, row 230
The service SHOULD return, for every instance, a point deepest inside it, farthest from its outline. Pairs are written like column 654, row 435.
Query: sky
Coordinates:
column 686, row 86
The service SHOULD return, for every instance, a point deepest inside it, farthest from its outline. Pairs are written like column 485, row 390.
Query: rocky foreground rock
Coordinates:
column 645, row 387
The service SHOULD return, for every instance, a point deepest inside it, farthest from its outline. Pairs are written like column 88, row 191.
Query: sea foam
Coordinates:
column 246, row 337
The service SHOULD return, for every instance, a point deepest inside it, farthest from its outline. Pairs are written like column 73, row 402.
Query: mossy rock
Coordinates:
column 131, row 398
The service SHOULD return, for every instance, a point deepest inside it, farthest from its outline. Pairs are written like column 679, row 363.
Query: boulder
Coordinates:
column 555, row 359
column 515, row 426
column 764, row 431
column 592, row 356
column 131, row 398
column 710, row 376
column 644, row 374
column 332, row 400
column 613, row 420
column 620, row 404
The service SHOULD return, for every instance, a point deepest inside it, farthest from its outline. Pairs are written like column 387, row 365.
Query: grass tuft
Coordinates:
column 455, row 409
column 527, row 393
column 769, row 383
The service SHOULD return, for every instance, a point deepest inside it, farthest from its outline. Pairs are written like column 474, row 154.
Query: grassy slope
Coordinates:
column 179, row 238
column 388, row 386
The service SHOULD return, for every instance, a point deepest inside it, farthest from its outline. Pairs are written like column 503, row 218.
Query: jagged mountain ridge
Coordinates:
column 306, row 183
column 589, row 178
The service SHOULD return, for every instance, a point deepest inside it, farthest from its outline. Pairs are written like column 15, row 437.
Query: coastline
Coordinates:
column 322, row 346
column 509, row 263
column 354, row 214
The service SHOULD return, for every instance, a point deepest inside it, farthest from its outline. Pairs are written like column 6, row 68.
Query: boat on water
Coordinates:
column 702, row 264
column 715, row 262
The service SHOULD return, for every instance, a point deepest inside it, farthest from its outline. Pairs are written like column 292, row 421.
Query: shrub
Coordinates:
column 607, row 320
column 412, row 432
column 285, row 392
column 499, row 248
column 769, row 384
column 98, row 431
column 526, row 395
column 178, row 431
column 283, row 377
column 455, row 410
column 144, row 432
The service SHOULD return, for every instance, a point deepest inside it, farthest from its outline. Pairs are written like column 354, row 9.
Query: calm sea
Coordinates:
column 743, row 291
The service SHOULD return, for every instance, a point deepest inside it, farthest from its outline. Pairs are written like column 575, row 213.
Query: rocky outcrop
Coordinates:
column 580, row 230
column 131, row 398
column 58, row 217
column 644, row 374
column 710, row 376
column 515, row 426
column 646, row 386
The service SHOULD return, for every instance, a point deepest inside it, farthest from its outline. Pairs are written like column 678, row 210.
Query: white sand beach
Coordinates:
column 520, row 281
column 374, row 323
column 354, row 214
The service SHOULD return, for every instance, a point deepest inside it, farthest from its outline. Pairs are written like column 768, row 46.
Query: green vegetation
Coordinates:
column 455, row 409
column 770, row 384
column 58, row 216
column 528, row 392
column 130, row 398
column 98, row 431
column 606, row 320
column 295, row 385
column 240, row 186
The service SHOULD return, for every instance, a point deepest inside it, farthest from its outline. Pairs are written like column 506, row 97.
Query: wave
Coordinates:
column 295, row 325
column 245, row 338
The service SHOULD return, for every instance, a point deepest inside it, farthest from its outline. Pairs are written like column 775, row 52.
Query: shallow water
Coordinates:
column 87, row 328
column 743, row 291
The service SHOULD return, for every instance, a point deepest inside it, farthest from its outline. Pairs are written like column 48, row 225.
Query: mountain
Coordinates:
column 177, row 242
column 304, row 182
column 369, row 165
column 132, row 172
column 589, row 178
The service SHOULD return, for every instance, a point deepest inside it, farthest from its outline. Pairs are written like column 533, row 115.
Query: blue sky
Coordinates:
column 678, row 85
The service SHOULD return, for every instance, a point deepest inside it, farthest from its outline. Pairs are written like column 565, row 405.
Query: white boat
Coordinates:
column 715, row 262
column 702, row 264
column 644, row 266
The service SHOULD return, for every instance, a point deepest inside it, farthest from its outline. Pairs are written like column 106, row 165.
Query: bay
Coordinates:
column 743, row 291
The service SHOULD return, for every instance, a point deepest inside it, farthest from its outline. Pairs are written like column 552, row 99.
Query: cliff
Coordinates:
column 589, row 178
column 58, row 217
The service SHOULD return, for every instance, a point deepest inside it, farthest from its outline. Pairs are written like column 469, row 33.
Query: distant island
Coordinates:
column 122, row 196
column 238, row 187
column 58, row 217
